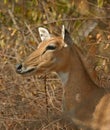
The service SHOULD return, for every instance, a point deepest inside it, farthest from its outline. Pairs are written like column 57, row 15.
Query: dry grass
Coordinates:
column 33, row 102
column 30, row 103
column 23, row 99
column 24, row 102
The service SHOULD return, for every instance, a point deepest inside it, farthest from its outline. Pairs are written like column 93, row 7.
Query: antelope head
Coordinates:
column 51, row 54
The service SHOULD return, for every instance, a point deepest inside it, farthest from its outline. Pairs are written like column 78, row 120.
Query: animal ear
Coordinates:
column 63, row 31
column 66, row 37
column 44, row 33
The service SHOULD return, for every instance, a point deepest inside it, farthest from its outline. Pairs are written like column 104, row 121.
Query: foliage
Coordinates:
column 23, row 98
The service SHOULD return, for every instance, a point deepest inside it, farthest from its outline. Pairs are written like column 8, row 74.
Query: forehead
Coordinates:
column 53, row 40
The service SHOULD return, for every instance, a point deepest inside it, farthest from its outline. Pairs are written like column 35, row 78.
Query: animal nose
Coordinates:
column 18, row 68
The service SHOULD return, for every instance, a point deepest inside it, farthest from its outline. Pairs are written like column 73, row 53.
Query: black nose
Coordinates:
column 18, row 68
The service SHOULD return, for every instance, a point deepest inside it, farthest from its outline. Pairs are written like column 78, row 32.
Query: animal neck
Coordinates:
column 81, row 94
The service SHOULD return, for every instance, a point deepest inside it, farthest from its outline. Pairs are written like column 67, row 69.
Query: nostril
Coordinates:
column 18, row 67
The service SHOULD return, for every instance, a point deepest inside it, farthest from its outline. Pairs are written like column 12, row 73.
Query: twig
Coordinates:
column 103, row 57
column 30, row 30
column 51, row 123
column 75, row 19
column 13, row 18
column 17, row 119
column 46, row 95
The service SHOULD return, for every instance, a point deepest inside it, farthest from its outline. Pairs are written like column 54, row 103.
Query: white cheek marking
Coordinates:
column 63, row 77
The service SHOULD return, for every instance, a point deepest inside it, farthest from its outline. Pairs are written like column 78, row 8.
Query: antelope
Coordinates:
column 86, row 103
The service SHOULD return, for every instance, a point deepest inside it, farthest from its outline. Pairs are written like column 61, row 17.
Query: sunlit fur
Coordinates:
column 86, row 103
column 46, row 61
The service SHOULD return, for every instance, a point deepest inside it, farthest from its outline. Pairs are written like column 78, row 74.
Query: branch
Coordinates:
column 30, row 30
column 13, row 18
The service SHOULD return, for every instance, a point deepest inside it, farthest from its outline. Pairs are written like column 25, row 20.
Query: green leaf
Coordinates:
column 5, row 1
column 16, row 1
column 2, row 43
column 100, row 3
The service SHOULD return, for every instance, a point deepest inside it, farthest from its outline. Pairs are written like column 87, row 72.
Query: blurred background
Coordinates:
column 26, row 103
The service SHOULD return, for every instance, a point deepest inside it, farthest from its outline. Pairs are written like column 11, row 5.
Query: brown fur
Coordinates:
column 87, row 104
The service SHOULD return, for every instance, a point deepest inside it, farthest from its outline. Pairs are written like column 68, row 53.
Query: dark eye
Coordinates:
column 50, row 47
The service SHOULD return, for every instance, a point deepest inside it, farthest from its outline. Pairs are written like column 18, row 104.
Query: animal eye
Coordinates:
column 50, row 47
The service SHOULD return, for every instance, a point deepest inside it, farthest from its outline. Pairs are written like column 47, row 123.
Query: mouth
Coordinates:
column 25, row 71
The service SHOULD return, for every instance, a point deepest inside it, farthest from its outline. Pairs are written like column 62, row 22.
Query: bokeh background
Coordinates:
column 27, row 103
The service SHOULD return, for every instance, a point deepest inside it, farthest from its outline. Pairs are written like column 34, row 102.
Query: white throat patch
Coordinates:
column 63, row 77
